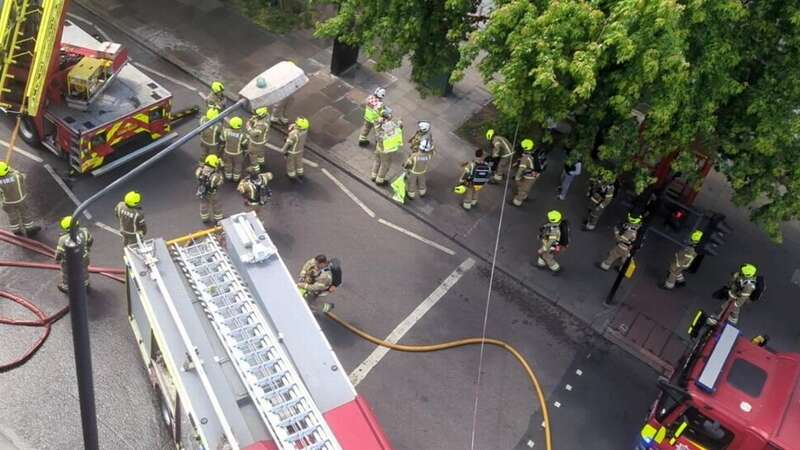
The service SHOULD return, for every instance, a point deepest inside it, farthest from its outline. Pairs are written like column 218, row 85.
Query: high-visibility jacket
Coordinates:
column 12, row 187
column 372, row 109
column 391, row 136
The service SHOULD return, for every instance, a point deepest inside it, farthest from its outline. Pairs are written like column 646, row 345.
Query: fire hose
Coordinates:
column 462, row 343
column 42, row 320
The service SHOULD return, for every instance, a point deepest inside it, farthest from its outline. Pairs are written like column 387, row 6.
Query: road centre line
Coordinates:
column 166, row 77
column 363, row 369
column 66, row 189
column 417, row 237
column 108, row 228
column 22, row 152
column 349, row 193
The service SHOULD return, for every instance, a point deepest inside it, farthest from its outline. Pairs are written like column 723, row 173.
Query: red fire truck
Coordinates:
column 729, row 394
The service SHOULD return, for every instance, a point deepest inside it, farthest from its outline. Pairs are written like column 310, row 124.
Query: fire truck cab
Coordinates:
column 729, row 394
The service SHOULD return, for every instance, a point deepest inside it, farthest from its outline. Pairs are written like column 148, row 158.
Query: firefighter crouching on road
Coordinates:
column 552, row 235
column 502, row 151
column 476, row 174
column 683, row 260
column 372, row 113
column 416, row 164
column 529, row 167
column 216, row 98
column 210, row 137
column 257, row 129
column 13, row 198
column 131, row 220
column 84, row 241
column 209, row 179
column 234, row 143
column 743, row 286
column 625, row 237
column 316, row 280
column 294, row 146
column 600, row 193
column 254, row 188
column 389, row 135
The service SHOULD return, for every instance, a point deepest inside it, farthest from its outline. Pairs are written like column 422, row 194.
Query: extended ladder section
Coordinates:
column 268, row 374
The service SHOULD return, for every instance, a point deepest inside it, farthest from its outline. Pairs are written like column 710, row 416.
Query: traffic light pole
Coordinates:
column 621, row 274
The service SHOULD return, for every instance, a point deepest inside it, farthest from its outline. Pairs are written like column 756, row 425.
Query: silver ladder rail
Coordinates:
column 268, row 374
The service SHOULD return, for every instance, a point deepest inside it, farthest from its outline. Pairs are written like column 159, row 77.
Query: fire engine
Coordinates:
column 76, row 96
column 233, row 350
column 729, row 394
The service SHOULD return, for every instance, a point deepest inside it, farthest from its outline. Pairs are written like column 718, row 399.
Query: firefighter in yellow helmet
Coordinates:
column 502, row 152
column 216, row 98
column 625, row 236
column 529, row 167
column 550, row 238
column 209, row 178
column 14, row 200
column 130, row 217
column 234, row 144
column 683, row 260
column 294, row 146
column 84, row 241
column 210, row 137
column 257, row 129
column 741, row 288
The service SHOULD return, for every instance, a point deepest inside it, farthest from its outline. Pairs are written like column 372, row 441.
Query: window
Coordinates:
column 747, row 377
column 666, row 404
column 704, row 431
column 156, row 114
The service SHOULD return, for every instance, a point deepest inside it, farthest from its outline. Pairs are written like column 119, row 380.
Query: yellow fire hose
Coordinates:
column 461, row 343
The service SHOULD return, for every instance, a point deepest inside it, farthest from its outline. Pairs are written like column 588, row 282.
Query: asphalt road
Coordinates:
column 595, row 392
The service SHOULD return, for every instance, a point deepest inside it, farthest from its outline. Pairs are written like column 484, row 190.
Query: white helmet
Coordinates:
column 424, row 126
column 380, row 93
column 425, row 145
column 386, row 112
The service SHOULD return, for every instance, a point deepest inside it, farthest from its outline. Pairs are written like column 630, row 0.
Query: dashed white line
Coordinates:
column 578, row 372
column 568, row 387
column 417, row 237
column 108, row 228
column 22, row 152
column 166, row 77
column 66, row 189
column 557, row 404
column 275, row 148
column 531, row 443
column 374, row 358
column 349, row 193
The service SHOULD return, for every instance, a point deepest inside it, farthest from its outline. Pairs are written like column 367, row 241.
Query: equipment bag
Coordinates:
column 481, row 174
column 202, row 188
column 564, row 241
column 336, row 271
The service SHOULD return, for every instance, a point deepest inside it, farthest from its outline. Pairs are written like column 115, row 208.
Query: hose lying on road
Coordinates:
column 461, row 343
column 42, row 319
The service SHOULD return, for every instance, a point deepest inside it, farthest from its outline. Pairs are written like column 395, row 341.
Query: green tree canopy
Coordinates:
column 722, row 73
column 388, row 30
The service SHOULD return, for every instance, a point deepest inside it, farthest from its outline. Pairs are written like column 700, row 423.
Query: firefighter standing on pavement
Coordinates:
column 741, row 288
column 372, row 113
column 502, row 151
column 13, row 198
column 528, row 170
column 210, row 137
column 257, row 129
column 316, row 280
column 416, row 165
column 254, row 188
column 390, row 138
column 600, row 193
column 131, row 220
column 209, row 179
column 294, row 146
column 84, row 241
column 476, row 174
column 683, row 260
column 625, row 237
column 234, row 144
column 550, row 236
column 216, row 98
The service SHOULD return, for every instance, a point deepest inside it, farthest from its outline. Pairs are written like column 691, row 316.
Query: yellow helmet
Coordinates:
column 527, row 145
column 696, row 236
column 748, row 270
column 133, row 199
column 4, row 168
column 217, row 87
column 554, row 216
column 236, row 123
column 634, row 220
column 212, row 161
column 262, row 112
column 66, row 222
column 460, row 189
column 212, row 113
column 489, row 134
column 302, row 123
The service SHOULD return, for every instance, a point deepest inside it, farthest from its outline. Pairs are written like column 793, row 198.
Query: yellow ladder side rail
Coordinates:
column 49, row 26
column 10, row 36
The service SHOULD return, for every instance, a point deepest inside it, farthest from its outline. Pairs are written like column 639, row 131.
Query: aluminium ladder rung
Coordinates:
column 285, row 405
column 264, row 381
column 294, row 419
column 304, row 433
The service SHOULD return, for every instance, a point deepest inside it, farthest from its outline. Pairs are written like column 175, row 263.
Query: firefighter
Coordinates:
column 423, row 134
column 683, row 260
column 216, row 98
column 131, row 220
column 741, row 288
column 372, row 113
column 254, row 187
column 13, row 198
column 528, row 170
column 257, row 129
column 475, row 175
column 625, row 237
column 601, row 192
column 389, row 134
column 550, row 236
column 316, row 280
column 84, row 241
column 209, row 180
column 210, row 137
column 502, row 151
column 416, row 167
column 294, row 146
column 234, row 143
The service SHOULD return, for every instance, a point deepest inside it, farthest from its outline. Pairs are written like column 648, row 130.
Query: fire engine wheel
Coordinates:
column 28, row 133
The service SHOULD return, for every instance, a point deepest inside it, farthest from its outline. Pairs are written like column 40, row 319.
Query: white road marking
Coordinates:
column 167, row 77
column 22, row 152
column 278, row 149
column 557, row 404
column 108, row 228
column 579, row 372
column 531, row 443
column 349, row 193
column 417, row 237
column 66, row 189
column 360, row 372
column 568, row 387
